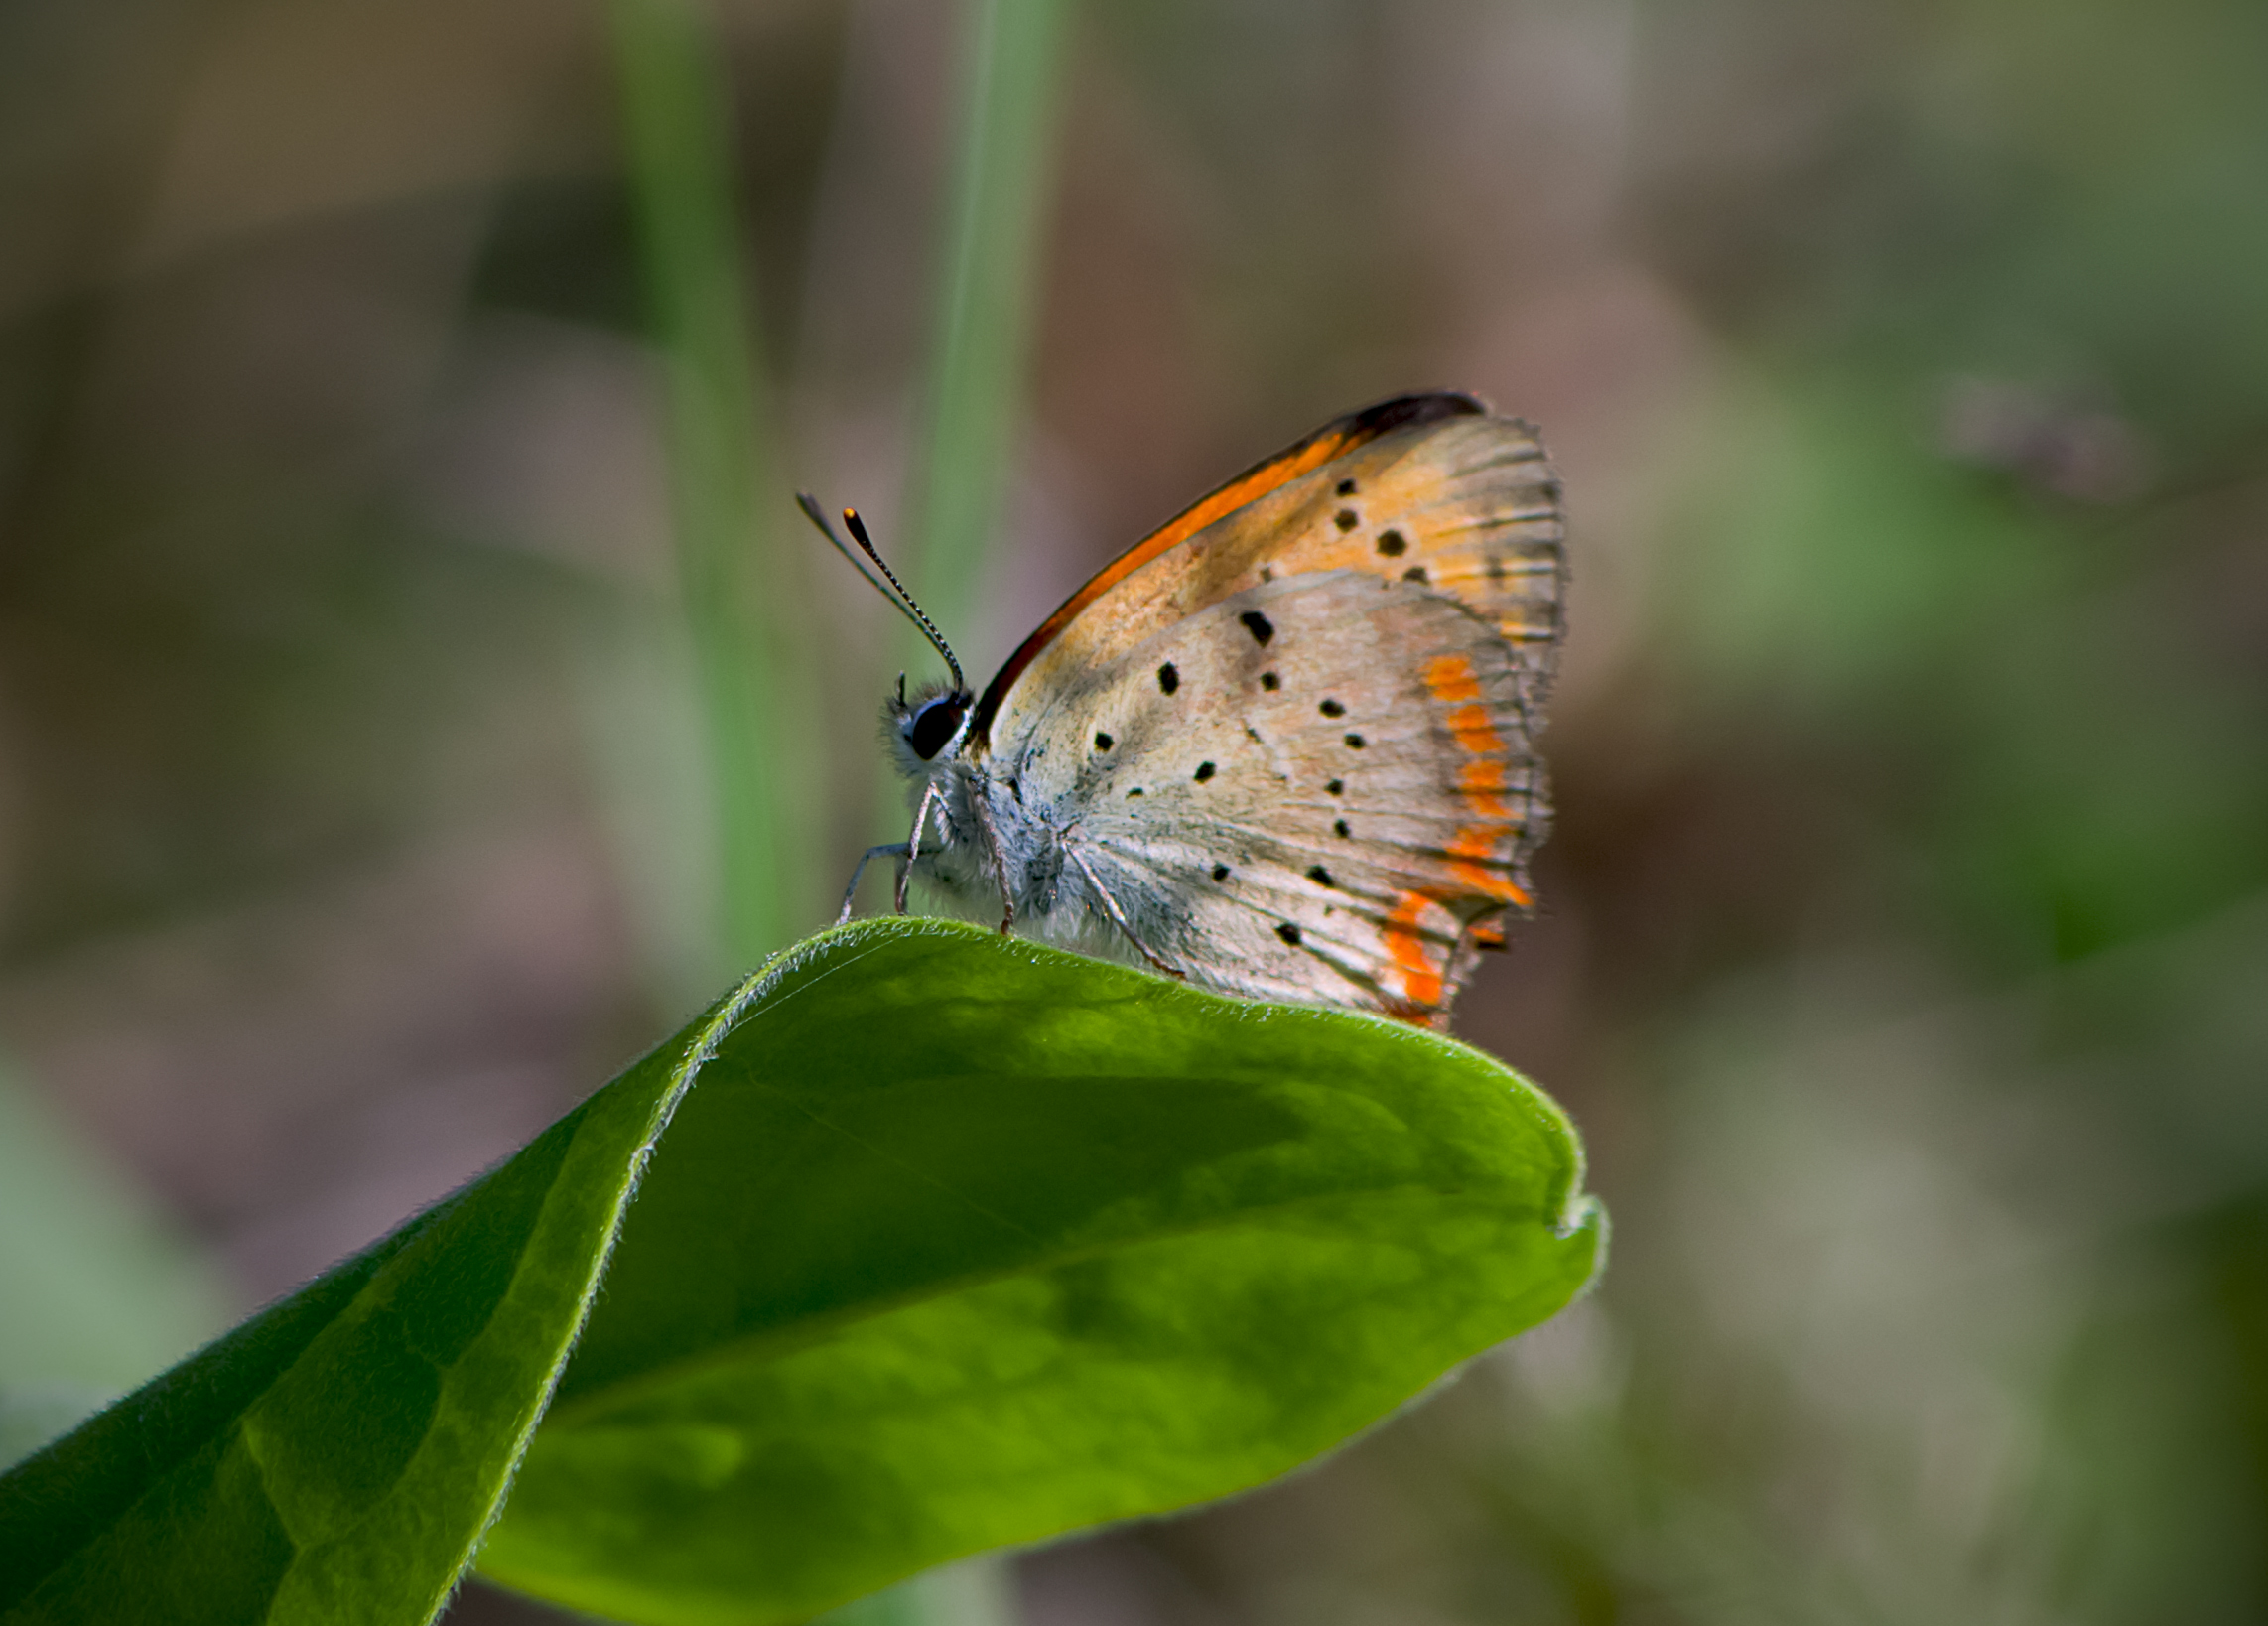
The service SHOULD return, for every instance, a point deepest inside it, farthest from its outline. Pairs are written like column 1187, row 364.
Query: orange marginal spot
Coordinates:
column 1480, row 781
column 1476, row 840
column 1334, row 439
column 1415, row 1014
column 1489, row 883
column 1473, row 844
column 1451, row 680
column 1470, row 724
column 1489, row 933
column 1421, row 978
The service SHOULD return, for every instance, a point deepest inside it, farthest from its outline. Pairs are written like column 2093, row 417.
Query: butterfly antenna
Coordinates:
column 813, row 512
column 902, row 599
column 859, row 533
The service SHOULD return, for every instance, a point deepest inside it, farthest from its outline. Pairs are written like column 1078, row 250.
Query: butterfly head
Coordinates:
column 928, row 727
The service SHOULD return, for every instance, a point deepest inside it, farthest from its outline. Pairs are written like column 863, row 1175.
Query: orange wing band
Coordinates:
column 1422, row 980
column 1451, row 681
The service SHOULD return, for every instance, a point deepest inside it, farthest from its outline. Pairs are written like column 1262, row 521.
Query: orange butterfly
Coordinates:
column 1283, row 748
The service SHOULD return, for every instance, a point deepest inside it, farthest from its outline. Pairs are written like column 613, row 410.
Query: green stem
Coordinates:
column 1010, row 63
column 726, row 497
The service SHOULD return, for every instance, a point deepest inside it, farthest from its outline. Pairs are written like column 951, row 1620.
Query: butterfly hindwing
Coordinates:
column 1314, row 788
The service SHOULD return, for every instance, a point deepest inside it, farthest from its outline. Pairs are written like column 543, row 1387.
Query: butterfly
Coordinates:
column 1283, row 748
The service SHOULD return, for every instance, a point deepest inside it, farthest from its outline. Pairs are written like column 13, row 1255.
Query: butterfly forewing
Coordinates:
column 1464, row 505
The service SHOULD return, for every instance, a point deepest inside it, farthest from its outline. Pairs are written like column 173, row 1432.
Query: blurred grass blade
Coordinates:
column 97, row 1292
column 95, row 1289
column 960, row 1242
column 986, row 293
column 734, row 564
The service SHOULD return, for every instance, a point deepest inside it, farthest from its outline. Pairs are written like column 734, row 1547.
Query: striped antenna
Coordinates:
column 901, row 597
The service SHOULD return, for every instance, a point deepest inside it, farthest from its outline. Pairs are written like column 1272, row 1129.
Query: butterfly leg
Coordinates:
column 992, row 850
column 913, row 847
column 1117, row 915
column 896, row 850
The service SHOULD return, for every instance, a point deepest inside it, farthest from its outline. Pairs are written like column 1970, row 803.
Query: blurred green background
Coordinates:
column 1905, row 955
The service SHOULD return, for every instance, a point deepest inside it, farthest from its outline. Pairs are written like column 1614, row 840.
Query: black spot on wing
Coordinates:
column 1289, row 933
column 1346, row 487
column 1416, row 572
column 1102, row 741
column 1339, row 828
column 1354, row 742
column 1331, row 708
column 1345, row 519
column 1169, row 677
column 1392, row 544
column 1337, row 787
column 1204, row 772
column 1270, row 681
column 1220, row 872
column 1318, row 875
column 1258, row 625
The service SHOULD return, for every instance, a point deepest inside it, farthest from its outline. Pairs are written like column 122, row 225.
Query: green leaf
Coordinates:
column 960, row 1242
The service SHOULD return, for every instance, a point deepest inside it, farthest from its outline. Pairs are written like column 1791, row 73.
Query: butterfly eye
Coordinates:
column 934, row 725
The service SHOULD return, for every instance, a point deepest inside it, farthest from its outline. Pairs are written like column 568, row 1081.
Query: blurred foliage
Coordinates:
column 1907, row 909
column 100, row 1292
